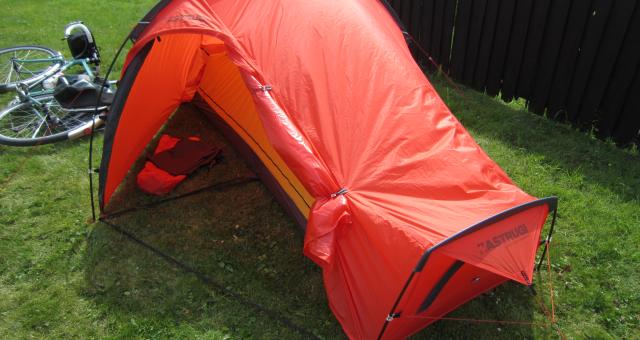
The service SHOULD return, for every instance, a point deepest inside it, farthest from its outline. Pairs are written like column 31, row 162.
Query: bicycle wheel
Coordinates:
column 26, row 64
column 41, row 121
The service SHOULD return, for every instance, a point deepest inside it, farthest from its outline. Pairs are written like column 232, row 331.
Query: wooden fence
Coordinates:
column 575, row 60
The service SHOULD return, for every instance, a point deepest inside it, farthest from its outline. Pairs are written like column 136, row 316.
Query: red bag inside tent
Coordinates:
column 156, row 181
column 185, row 156
column 173, row 159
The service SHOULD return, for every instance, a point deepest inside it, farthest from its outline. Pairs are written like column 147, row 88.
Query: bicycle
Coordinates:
column 47, row 105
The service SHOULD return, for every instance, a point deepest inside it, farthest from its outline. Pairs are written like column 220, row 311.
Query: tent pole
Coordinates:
column 215, row 186
column 93, row 124
column 548, row 239
column 392, row 315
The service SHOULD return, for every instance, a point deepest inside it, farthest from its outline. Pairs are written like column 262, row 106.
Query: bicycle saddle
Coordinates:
column 73, row 92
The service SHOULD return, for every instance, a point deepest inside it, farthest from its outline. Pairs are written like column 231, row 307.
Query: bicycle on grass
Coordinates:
column 45, row 105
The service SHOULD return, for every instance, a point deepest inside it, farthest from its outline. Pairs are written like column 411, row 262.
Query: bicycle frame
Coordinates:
column 65, row 65
column 35, row 105
column 25, row 92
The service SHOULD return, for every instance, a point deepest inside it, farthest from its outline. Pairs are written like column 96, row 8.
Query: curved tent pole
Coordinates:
column 147, row 19
column 548, row 239
column 93, row 121
column 133, row 35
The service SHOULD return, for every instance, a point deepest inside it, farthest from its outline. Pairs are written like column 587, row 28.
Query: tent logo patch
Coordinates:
column 500, row 239
column 187, row 17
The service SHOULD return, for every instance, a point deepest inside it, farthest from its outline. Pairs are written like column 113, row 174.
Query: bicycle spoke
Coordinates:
column 35, row 133
column 37, row 113
column 16, row 67
column 17, row 124
column 23, row 129
column 43, row 121
column 24, row 63
column 9, row 73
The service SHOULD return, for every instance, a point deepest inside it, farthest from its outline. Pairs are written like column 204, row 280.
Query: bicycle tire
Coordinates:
column 12, row 73
column 28, row 124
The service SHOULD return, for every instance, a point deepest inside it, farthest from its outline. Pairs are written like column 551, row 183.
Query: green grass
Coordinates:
column 61, row 277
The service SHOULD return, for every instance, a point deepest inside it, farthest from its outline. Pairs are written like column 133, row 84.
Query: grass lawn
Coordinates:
column 63, row 277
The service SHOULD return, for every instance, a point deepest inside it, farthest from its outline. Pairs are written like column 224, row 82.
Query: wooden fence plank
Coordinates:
column 500, row 46
column 436, row 38
column 622, row 77
column 396, row 4
column 403, row 8
column 405, row 13
column 460, row 38
column 605, row 60
column 414, row 29
column 415, row 18
column 447, row 33
column 588, row 50
column 516, row 48
column 575, row 59
column 426, row 26
column 627, row 129
column 569, row 52
column 551, row 47
column 486, row 45
column 532, row 49
column 473, row 40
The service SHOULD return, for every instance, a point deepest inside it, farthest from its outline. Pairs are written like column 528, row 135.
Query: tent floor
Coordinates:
column 187, row 121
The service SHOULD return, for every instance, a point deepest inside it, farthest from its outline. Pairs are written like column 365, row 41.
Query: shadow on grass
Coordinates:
column 242, row 238
column 246, row 244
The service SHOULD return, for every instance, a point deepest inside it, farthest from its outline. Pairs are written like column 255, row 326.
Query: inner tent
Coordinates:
column 178, row 68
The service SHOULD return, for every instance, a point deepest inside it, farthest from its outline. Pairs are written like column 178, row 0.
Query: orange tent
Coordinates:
column 404, row 212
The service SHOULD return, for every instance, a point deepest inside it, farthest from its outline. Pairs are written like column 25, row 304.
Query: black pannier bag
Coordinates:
column 82, row 48
column 78, row 92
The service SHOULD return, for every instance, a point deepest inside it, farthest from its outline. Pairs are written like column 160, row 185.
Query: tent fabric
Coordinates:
column 329, row 98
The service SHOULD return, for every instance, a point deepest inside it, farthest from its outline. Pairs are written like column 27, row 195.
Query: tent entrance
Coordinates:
column 218, row 215
column 185, row 122
column 179, row 68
